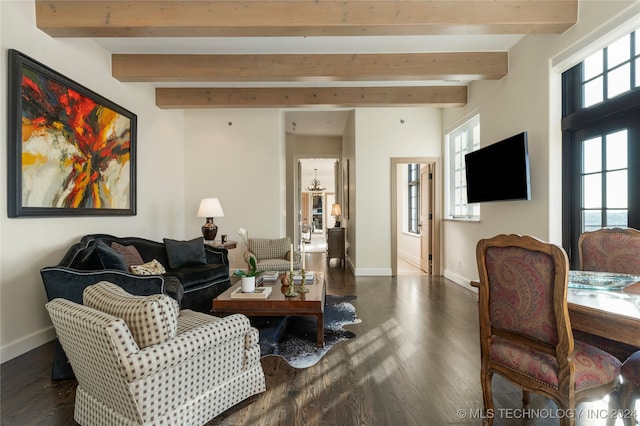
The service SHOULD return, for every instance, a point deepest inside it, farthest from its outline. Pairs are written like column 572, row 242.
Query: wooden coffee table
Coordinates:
column 304, row 304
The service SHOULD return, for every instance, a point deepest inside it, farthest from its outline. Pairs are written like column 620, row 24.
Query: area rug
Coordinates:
column 294, row 338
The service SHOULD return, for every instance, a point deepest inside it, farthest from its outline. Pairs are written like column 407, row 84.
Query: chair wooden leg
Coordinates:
column 568, row 421
column 615, row 405
column 628, row 393
column 487, row 396
column 526, row 399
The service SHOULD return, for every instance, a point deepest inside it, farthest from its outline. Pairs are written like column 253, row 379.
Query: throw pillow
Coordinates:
column 150, row 268
column 130, row 253
column 151, row 319
column 185, row 253
column 110, row 258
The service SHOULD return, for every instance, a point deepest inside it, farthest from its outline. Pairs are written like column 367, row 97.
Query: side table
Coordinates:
column 219, row 244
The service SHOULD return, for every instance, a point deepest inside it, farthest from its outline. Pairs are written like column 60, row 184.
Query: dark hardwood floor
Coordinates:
column 415, row 361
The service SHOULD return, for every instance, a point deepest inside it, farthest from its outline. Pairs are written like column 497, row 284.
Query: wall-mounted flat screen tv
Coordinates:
column 499, row 171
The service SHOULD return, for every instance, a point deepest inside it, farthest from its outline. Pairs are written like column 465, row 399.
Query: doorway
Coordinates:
column 317, row 193
column 415, row 215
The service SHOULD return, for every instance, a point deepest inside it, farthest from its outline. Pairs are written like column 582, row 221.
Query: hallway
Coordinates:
column 318, row 244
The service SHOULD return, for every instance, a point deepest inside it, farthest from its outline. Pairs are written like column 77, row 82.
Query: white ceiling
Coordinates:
column 311, row 45
column 318, row 121
column 325, row 167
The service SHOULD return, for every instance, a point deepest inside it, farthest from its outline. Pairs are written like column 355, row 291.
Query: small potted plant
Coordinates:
column 249, row 277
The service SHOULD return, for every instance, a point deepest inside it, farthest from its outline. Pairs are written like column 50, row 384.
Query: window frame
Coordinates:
column 456, row 204
column 413, row 203
column 580, row 123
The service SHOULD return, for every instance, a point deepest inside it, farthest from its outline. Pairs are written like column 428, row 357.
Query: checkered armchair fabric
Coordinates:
column 198, row 366
column 272, row 254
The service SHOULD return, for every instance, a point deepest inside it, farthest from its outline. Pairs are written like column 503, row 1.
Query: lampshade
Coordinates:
column 336, row 210
column 210, row 207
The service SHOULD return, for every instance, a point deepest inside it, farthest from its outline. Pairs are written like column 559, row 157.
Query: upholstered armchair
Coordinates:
column 272, row 254
column 139, row 360
column 525, row 331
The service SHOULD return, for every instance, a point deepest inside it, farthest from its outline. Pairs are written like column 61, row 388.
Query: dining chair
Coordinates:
column 614, row 250
column 525, row 331
column 610, row 250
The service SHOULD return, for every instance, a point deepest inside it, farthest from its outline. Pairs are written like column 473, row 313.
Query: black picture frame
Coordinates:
column 71, row 151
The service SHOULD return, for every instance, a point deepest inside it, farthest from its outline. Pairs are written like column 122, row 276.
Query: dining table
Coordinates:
column 605, row 304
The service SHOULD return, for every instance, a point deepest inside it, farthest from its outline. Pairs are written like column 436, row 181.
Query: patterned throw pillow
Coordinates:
column 150, row 268
column 151, row 319
column 130, row 253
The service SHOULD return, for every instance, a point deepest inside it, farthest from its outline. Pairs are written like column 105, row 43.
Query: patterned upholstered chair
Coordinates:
column 609, row 250
column 139, row 360
column 272, row 254
column 525, row 333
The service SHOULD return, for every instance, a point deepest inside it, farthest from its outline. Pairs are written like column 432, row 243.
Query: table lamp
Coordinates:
column 336, row 211
column 210, row 208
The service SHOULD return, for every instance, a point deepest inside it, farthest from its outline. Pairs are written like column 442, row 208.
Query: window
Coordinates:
column 413, row 197
column 611, row 71
column 460, row 141
column 601, row 138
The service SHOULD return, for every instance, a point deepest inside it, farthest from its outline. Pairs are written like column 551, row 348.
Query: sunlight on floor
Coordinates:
column 405, row 268
column 318, row 243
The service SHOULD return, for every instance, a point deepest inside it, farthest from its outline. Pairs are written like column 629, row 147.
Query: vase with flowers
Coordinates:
column 248, row 276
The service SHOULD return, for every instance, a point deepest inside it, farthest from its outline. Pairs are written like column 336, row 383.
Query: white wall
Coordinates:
column 529, row 99
column 28, row 244
column 382, row 134
column 242, row 164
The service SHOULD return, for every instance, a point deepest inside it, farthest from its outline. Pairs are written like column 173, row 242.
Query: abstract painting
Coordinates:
column 71, row 151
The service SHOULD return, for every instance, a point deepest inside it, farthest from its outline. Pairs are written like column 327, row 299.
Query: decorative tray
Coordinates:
column 258, row 293
column 601, row 280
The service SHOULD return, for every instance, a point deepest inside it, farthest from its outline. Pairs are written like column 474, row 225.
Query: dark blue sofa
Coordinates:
column 92, row 260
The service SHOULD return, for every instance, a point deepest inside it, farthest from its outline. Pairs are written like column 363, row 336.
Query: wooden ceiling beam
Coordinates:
column 277, row 67
column 151, row 18
column 283, row 97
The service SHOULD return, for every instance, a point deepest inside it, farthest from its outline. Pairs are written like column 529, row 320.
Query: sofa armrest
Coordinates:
column 69, row 283
column 185, row 346
column 216, row 255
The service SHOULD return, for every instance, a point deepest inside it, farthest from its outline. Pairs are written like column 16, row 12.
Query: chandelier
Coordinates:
column 315, row 183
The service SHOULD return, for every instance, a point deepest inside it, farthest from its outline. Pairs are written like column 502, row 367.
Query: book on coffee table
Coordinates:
column 258, row 293
column 270, row 277
column 309, row 277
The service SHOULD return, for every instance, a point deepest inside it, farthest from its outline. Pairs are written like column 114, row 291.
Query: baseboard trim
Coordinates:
column 372, row 272
column 27, row 343
column 460, row 280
